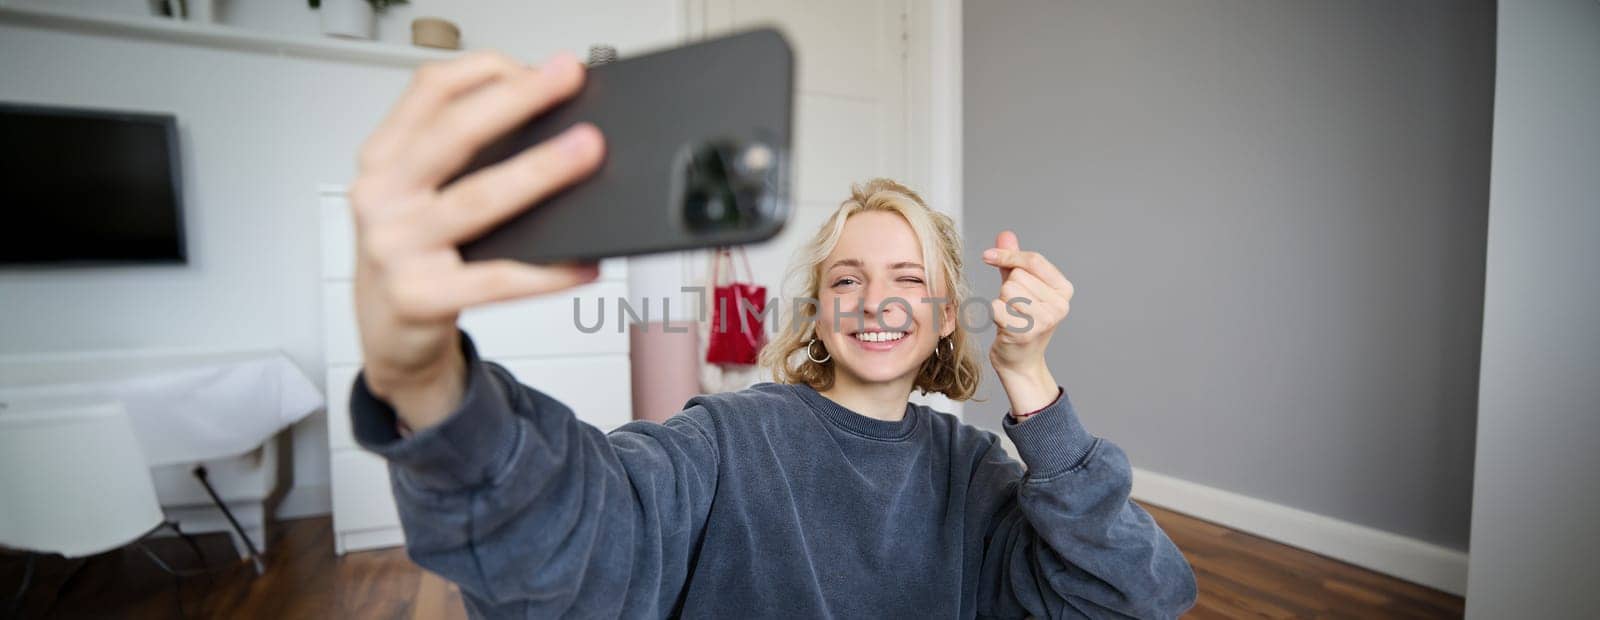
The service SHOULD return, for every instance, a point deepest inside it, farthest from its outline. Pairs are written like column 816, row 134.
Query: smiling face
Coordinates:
column 878, row 257
column 882, row 245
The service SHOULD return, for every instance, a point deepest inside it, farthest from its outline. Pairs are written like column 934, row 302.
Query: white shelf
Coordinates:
column 221, row 37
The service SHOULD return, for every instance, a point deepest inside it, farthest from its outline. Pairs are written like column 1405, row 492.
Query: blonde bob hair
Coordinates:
column 955, row 372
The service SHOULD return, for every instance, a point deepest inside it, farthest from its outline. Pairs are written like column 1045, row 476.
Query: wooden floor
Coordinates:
column 1245, row 576
column 1239, row 576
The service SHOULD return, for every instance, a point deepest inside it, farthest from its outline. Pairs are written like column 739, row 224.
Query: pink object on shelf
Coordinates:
column 666, row 373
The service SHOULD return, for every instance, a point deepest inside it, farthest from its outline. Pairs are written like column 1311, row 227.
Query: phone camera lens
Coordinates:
column 715, row 210
column 727, row 186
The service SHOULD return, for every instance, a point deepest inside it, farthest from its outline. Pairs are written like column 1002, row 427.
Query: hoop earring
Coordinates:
column 813, row 358
column 946, row 357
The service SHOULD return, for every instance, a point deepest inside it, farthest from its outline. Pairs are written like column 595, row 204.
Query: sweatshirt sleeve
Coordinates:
column 1065, row 540
column 535, row 513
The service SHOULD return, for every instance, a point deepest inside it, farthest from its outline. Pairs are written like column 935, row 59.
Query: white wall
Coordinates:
column 1536, row 498
column 258, row 134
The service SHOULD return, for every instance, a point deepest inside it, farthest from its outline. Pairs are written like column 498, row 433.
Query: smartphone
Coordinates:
column 697, row 155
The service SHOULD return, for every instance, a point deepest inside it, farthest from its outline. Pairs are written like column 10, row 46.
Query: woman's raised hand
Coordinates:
column 1034, row 299
column 410, row 282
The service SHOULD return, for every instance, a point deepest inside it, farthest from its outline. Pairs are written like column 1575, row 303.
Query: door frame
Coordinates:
column 933, row 94
column 934, row 97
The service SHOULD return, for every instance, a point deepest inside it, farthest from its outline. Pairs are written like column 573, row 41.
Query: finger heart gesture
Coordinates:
column 1034, row 299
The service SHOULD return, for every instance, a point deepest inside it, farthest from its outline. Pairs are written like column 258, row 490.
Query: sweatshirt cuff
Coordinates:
column 1051, row 441
column 467, row 450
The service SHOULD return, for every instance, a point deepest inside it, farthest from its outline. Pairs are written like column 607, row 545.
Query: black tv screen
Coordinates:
column 89, row 186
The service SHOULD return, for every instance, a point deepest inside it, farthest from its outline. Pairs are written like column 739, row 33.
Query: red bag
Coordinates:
column 737, row 310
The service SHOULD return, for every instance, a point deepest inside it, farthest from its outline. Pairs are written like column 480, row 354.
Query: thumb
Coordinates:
column 1006, row 240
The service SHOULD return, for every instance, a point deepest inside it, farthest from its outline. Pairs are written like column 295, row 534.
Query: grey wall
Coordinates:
column 1537, row 499
column 1274, row 213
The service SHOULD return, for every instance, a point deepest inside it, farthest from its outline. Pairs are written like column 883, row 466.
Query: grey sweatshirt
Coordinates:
column 769, row 502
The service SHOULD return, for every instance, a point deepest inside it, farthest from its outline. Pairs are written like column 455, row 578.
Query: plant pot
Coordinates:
column 350, row 19
column 435, row 32
column 199, row 11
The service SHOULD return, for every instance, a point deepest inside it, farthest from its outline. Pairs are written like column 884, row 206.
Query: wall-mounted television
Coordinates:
column 89, row 186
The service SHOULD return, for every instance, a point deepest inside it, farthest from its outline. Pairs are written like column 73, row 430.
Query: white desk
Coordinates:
column 188, row 408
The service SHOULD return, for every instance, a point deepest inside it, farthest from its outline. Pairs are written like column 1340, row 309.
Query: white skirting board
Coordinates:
column 1407, row 558
column 306, row 501
column 207, row 519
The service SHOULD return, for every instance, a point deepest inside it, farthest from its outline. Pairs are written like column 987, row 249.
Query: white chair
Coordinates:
column 73, row 481
column 73, row 478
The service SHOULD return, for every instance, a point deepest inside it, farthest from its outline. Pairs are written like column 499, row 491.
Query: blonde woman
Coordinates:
column 823, row 494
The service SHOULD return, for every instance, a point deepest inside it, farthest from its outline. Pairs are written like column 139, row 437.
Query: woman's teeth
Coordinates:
column 879, row 336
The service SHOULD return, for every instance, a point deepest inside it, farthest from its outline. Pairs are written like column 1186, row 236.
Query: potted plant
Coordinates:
column 351, row 19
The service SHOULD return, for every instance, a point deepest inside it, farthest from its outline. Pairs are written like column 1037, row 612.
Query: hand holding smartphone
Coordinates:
column 475, row 173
